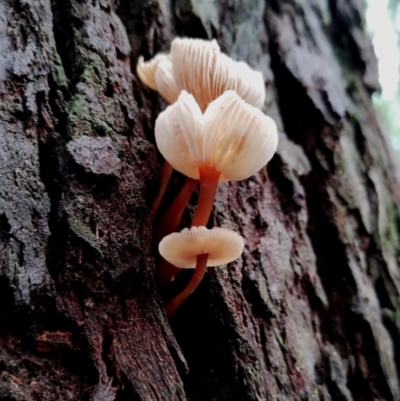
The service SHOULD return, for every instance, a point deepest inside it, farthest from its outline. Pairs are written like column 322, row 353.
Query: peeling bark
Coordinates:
column 310, row 312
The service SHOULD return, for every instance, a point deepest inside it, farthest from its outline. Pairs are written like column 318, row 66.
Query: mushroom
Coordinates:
column 230, row 142
column 199, row 247
column 199, row 67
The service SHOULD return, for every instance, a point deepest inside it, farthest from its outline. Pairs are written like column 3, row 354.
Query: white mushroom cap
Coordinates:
column 146, row 70
column 238, row 139
column 200, row 68
column 181, row 249
column 232, row 136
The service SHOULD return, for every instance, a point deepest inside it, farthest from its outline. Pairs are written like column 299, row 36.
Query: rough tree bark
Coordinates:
column 311, row 311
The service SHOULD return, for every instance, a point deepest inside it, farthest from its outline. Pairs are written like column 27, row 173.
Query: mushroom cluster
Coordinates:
column 213, row 131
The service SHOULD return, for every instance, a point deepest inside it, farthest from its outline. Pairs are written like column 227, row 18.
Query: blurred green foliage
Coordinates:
column 392, row 8
column 389, row 108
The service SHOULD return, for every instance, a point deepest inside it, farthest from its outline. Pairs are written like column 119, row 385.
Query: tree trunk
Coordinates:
column 312, row 309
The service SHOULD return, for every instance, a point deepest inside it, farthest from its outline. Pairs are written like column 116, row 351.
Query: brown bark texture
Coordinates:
column 312, row 309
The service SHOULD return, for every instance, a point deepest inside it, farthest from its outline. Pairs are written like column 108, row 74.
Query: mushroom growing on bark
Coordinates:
column 199, row 67
column 199, row 247
column 231, row 141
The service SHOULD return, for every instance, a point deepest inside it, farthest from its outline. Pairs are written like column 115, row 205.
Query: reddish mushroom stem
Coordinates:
column 201, row 267
column 209, row 178
column 170, row 221
column 165, row 177
column 165, row 272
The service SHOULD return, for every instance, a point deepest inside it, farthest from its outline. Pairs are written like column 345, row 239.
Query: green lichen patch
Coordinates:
column 57, row 68
column 95, row 72
column 84, row 232
column 98, row 116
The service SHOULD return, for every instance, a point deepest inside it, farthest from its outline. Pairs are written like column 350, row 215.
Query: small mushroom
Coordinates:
column 230, row 142
column 199, row 247
column 199, row 67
